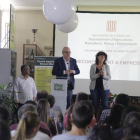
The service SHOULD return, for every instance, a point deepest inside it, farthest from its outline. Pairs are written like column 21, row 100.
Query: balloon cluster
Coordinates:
column 62, row 13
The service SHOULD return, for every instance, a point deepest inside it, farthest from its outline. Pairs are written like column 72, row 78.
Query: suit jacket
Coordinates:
column 59, row 67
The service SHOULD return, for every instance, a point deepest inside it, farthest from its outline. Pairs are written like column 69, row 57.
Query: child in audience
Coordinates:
column 100, row 132
column 28, row 128
column 44, row 114
column 81, row 117
column 81, row 96
column 68, row 124
column 114, row 119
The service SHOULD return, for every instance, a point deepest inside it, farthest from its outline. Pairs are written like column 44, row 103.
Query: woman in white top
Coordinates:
column 99, row 85
column 28, row 128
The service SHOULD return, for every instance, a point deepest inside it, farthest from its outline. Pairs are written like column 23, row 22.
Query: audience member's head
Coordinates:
column 115, row 116
column 81, row 96
column 82, row 114
column 123, row 99
column 51, row 100
column 43, row 94
column 31, row 102
column 128, row 110
column 25, row 108
column 4, row 131
column 27, row 127
column 43, row 110
column 100, row 132
column 4, row 114
column 131, row 125
column 69, row 121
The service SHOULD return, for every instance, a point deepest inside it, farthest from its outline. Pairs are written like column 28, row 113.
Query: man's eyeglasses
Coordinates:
column 66, row 52
column 26, row 68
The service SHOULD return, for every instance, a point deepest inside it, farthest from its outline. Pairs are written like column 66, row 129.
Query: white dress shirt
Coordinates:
column 26, row 87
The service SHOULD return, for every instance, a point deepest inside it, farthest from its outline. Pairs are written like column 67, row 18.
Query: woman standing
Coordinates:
column 99, row 85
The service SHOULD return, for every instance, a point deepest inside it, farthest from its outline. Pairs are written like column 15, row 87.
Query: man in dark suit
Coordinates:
column 65, row 68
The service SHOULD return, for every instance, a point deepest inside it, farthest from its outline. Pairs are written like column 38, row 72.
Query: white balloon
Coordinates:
column 69, row 26
column 59, row 11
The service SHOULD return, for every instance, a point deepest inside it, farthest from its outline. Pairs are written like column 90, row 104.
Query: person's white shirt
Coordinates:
column 26, row 88
column 38, row 136
column 67, row 136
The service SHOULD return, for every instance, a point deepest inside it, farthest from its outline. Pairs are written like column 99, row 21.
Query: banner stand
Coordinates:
column 59, row 91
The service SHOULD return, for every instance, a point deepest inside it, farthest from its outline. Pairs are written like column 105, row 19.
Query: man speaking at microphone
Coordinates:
column 66, row 67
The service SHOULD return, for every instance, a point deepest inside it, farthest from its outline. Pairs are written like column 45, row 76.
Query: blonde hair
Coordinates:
column 43, row 110
column 28, row 122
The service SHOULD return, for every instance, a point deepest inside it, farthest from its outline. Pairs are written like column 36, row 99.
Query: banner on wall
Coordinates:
column 43, row 72
column 12, row 24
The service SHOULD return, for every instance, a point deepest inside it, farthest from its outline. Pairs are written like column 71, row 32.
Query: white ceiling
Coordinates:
column 37, row 4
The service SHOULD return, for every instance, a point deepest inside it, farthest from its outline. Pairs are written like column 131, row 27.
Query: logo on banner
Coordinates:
column 58, row 87
column 111, row 26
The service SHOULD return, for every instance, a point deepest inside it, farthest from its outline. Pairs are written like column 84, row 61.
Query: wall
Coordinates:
column 24, row 23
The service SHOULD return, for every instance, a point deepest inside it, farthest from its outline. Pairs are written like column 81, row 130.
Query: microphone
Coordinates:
column 67, row 63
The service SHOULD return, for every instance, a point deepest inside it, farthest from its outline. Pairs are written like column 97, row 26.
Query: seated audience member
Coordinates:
column 55, row 108
column 44, row 95
column 28, row 128
column 81, row 96
column 131, row 125
column 28, row 107
column 122, row 99
column 81, row 117
column 31, row 102
column 119, row 132
column 44, row 114
column 4, row 114
column 68, row 124
column 114, row 119
column 100, row 132
column 4, row 131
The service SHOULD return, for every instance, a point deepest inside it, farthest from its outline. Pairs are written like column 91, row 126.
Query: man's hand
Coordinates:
column 67, row 72
column 34, row 98
column 71, row 71
column 17, row 101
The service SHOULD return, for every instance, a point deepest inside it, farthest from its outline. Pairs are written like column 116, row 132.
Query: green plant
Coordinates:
column 7, row 97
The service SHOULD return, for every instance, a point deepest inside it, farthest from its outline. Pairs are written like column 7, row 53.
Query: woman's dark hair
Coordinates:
column 4, row 131
column 131, row 125
column 69, row 125
column 115, row 116
column 101, row 53
column 100, row 132
column 128, row 110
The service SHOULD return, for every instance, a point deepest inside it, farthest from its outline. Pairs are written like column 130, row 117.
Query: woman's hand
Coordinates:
column 101, row 72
